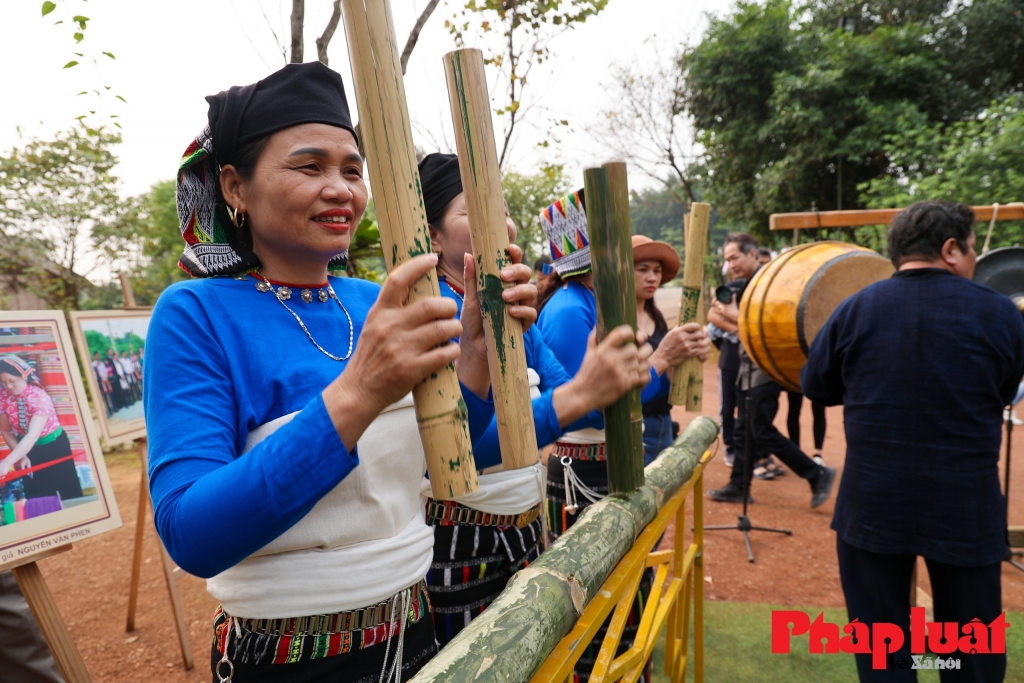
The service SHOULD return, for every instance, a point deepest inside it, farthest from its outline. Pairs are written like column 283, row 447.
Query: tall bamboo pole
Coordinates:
column 688, row 377
column 481, row 181
column 622, row 229
column 398, row 200
column 605, row 258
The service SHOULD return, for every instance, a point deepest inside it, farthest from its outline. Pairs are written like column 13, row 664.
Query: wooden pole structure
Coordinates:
column 622, row 230
column 604, row 256
column 172, row 573
column 398, row 199
column 51, row 624
column 688, row 377
column 481, row 181
column 857, row 218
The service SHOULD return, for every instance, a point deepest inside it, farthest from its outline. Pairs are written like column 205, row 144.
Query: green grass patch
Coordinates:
column 737, row 647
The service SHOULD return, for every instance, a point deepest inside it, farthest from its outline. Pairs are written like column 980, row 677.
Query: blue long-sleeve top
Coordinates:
column 223, row 359
column 565, row 324
column 923, row 364
column 486, row 450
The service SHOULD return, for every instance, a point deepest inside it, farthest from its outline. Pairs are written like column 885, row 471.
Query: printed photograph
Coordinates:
column 49, row 461
column 112, row 346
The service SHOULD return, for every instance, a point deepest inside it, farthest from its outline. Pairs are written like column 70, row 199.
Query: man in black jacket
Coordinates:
column 923, row 364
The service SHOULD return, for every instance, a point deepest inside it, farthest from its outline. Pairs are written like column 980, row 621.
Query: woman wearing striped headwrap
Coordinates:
column 31, row 429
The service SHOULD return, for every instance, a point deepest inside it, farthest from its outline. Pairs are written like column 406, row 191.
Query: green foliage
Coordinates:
column 980, row 161
column 145, row 242
column 100, row 343
column 56, row 197
column 526, row 196
column 795, row 114
column 365, row 254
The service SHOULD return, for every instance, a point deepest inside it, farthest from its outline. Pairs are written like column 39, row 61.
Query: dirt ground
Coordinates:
column 90, row 583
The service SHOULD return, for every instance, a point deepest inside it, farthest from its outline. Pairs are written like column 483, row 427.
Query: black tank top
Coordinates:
column 660, row 405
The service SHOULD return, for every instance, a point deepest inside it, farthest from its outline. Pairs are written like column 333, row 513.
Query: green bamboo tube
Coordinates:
column 622, row 228
column 481, row 182
column 542, row 602
column 688, row 377
column 605, row 256
column 391, row 159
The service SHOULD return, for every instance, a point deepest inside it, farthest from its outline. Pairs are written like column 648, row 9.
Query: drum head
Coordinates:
column 836, row 280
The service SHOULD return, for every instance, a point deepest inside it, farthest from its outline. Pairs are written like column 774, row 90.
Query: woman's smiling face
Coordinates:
column 306, row 194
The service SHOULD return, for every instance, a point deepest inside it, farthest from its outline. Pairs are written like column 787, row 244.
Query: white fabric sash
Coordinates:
column 360, row 544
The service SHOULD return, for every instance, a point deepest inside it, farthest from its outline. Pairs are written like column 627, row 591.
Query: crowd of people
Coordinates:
column 119, row 377
column 300, row 495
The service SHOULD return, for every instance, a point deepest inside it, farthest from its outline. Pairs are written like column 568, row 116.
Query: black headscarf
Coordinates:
column 296, row 94
column 441, row 183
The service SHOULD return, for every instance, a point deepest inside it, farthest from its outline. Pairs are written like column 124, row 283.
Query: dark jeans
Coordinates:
column 727, row 393
column 24, row 657
column 657, row 435
column 877, row 589
column 767, row 439
column 796, row 403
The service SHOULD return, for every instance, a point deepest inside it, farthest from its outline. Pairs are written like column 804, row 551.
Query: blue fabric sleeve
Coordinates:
column 487, row 450
column 567, row 336
column 213, row 508
column 481, row 413
column 658, row 386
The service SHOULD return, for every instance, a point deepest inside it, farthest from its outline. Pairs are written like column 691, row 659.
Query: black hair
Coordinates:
column 746, row 242
column 764, row 251
column 551, row 285
column 244, row 160
column 12, row 370
column 921, row 229
column 541, row 262
column 659, row 319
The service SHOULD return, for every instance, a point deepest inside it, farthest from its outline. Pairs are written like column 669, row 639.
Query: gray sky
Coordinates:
column 170, row 55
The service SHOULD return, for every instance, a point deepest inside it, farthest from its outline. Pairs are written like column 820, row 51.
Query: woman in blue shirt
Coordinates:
column 567, row 320
column 285, row 459
column 482, row 539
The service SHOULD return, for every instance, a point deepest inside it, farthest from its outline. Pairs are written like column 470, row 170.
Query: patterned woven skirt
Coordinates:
column 473, row 563
column 344, row 647
column 588, row 463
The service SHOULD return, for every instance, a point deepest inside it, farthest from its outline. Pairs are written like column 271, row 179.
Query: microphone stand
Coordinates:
column 1006, row 484
column 743, row 524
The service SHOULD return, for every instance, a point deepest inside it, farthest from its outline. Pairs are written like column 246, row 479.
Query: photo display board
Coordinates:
column 112, row 346
column 54, row 487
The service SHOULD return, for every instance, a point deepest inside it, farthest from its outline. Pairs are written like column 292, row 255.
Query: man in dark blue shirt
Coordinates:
column 923, row 364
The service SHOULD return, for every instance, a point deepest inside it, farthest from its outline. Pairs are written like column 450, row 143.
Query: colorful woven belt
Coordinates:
column 324, row 624
column 580, row 451
column 450, row 513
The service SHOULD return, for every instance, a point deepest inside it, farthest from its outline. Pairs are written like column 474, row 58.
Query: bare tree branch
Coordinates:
column 298, row 18
column 324, row 40
column 278, row 41
column 414, row 34
column 645, row 129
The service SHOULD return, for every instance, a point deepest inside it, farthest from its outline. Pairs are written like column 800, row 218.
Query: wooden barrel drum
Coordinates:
column 789, row 300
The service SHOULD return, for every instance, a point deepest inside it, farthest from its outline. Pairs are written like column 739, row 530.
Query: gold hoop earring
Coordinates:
column 237, row 217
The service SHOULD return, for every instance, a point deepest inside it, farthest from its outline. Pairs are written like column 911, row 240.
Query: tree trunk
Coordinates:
column 414, row 34
column 298, row 18
column 324, row 40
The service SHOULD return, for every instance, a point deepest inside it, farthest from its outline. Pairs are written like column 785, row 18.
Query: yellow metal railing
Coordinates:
column 668, row 603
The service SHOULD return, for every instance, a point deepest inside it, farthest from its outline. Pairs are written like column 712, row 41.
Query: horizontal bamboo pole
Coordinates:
column 688, row 377
column 622, row 230
column 542, row 603
column 857, row 218
column 387, row 139
column 608, row 287
column 481, row 182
